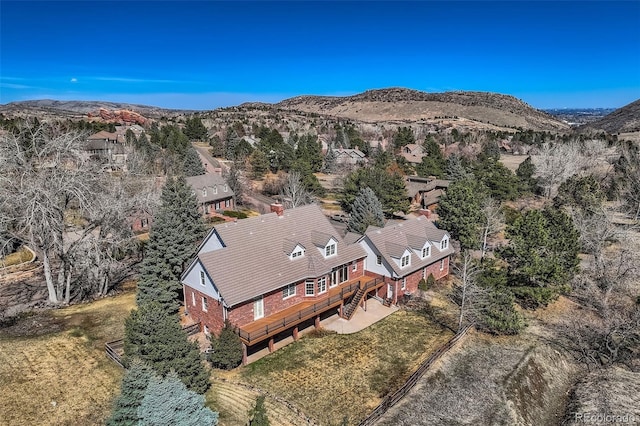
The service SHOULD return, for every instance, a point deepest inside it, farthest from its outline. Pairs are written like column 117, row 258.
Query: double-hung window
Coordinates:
column 289, row 291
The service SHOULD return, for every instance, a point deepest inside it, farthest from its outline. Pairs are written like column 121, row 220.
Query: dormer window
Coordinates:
column 426, row 251
column 330, row 249
column 204, row 192
column 297, row 253
column 404, row 261
column 226, row 187
column 444, row 243
column 215, row 189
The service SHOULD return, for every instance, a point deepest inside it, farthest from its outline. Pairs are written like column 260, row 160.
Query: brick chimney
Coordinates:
column 277, row 208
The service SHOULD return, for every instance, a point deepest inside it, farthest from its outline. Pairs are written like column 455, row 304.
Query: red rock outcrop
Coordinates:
column 122, row 115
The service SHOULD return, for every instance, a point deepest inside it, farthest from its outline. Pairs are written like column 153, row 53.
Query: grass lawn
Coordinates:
column 334, row 376
column 53, row 369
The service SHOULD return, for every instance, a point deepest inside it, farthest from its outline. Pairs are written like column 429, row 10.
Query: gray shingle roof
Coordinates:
column 253, row 261
column 394, row 238
column 214, row 184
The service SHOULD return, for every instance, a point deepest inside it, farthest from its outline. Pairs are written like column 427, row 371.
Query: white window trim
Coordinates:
column 378, row 259
column 404, row 284
column 215, row 189
column 287, row 289
column 202, row 278
column 428, row 252
column 408, row 261
column 306, row 288
column 193, row 298
column 330, row 249
column 322, row 280
column 205, row 304
column 444, row 244
column 354, row 266
column 204, row 192
column 442, row 264
column 297, row 253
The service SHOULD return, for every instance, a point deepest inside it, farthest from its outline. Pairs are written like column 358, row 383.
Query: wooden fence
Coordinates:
column 115, row 349
column 392, row 399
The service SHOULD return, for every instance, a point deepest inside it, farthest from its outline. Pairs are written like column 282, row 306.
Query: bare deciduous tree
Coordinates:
column 493, row 221
column 55, row 199
column 294, row 193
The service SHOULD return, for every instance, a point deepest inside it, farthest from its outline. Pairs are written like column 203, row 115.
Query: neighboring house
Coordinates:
column 271, row 274
column 425, row 191
column 406, row 252
column 275, row 274
column 413, row 153
column 349, row 156
column 107, row 148
column 140, row 221
column 212, row 193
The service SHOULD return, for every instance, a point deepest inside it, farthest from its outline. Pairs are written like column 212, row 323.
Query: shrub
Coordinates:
column 226, row 350
column 422, row 284
column 233, row 213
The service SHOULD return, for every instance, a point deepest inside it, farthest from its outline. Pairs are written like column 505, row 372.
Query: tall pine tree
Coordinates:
column 168, row 402
column 134, row 383
column 192, row 164
column 460, row 212
column 177, row 229
column 365, row 211
column 156, row 337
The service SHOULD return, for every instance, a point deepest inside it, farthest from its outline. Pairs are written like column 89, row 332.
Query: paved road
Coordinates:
column 210, row 163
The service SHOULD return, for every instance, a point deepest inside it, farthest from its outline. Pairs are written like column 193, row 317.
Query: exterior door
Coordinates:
column 390, row 291
column 258, row 308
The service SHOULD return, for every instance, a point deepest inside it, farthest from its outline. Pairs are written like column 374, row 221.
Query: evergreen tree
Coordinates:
column 168, row 402
column 583, row 193
column 460, row 212
column 217, row 147
column 309, row 150
column 192, row 165
column 365, row 211
column 404, row 136
column 156, row 337
column 233, row 177
column 195, row 130
column 499, row 180
column 329, row 165
column 226, row 349
column 132, row 390
column 542, row 255
column 176, row 231
column 525, row 172
column 258, row 414
column 455, row 170
column 259, row 164
column 498, row 315
column 388, row 185
column 309, row 180
column 434, row 163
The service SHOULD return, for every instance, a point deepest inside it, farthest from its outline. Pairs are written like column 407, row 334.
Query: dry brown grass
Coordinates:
column 511, row 161
column 53, row 369
column 337, row 376
column 21, row 256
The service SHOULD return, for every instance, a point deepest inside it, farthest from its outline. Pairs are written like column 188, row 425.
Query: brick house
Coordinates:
column 278, row 273
column 404, row 253
column 212, row 193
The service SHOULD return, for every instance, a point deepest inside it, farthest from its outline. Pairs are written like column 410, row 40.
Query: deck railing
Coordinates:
column 305, row 313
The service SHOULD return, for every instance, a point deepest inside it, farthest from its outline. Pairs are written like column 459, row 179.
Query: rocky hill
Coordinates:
column 398, row 104
column 108, row 111
column 622, row 120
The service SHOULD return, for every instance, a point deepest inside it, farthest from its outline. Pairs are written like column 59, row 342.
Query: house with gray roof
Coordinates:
column 406, row 252
column 212, row 193
column 272, row 274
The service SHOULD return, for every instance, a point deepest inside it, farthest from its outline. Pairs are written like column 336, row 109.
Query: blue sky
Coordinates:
column 203, row 55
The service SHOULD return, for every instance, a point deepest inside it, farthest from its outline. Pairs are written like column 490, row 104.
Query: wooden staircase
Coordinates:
column 352, row 306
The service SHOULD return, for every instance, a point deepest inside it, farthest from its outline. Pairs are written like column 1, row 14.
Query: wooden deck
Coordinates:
column 264, row 328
